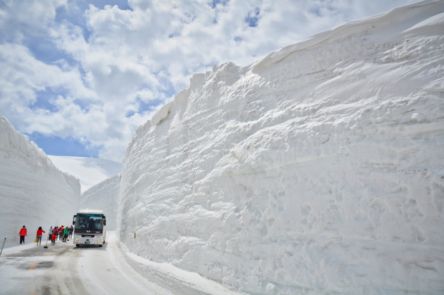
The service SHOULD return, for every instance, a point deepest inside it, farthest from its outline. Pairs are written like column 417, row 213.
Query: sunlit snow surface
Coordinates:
column 317, row 170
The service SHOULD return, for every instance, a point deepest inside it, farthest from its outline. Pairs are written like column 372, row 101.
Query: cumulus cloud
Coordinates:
column 95, row 72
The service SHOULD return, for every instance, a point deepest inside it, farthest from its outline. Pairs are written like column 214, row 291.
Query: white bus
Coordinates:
column 89, row 228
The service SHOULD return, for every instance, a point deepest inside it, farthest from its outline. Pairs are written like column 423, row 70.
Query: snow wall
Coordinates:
column 317, row 170
column 33, row 192
column 103, row 196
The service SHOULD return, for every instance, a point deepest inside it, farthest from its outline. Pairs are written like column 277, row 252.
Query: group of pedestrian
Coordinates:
column 61, row 232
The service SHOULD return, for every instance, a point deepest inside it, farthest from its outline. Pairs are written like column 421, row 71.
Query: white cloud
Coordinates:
column 123, row 58
column 21, row 19
column 23, row 75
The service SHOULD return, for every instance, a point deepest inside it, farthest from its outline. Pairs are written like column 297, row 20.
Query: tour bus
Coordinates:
column 89, row 228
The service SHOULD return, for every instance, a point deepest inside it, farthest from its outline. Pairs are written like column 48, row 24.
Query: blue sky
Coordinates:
column 54, row 145
column 78, row 77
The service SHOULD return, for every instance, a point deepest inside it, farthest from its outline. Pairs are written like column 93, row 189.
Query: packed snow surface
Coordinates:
column 104, row 196
column 317, row 170
column 33, row 192
column 63, row 269
column 90, row 171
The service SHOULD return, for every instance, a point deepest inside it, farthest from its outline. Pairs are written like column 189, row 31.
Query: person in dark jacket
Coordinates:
column 50, row 233
column 23, row 233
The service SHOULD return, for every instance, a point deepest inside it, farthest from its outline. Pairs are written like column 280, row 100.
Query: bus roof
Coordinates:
column 90, row 211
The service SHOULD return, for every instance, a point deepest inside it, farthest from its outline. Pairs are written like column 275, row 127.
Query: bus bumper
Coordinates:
column 88, row 240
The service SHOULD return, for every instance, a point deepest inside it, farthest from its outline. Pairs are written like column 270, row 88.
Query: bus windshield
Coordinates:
column 89, row 223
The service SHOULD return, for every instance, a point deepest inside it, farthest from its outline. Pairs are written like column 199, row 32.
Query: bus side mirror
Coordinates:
column 74, row 219
column 104, row 221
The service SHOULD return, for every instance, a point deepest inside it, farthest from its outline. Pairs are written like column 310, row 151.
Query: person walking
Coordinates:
column 61, row 228
column 65, row 234
column 39, row 235
column 23, row 233
column 50, row 233
column 54, row 236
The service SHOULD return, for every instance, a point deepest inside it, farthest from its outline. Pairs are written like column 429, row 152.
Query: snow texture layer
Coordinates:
column 33, row 192
column 104, row 196
column 317, row 170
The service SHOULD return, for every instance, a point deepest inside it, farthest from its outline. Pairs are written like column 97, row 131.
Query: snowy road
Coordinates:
column 63, row 269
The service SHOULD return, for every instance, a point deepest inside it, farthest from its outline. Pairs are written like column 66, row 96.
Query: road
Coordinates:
column 64, row 269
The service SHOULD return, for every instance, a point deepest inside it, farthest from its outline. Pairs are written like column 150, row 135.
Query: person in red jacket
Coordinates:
column 23, row 233
column 54, row 234
column 40, row 232
column 53, row 237
column 61, row 228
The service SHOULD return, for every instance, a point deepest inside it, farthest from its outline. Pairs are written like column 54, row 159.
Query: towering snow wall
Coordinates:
column 318, row 170
column 104, row 196
column 33, row 192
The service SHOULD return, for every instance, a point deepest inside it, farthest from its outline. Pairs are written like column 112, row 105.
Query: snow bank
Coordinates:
column 104, row 196
column 33, row 192
column 318, row 170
